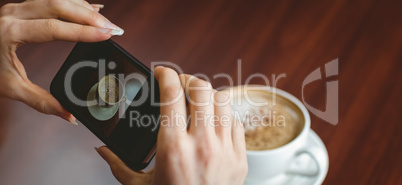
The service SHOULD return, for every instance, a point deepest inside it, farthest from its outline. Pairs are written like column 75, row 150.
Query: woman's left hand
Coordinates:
column 44, row 21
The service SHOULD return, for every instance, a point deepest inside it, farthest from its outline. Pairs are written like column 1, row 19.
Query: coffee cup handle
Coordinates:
column 316, row 154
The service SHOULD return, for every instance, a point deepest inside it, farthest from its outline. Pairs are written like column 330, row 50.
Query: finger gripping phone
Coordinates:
column 115, row 96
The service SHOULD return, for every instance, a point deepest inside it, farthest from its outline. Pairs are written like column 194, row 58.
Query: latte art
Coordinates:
column 269, row 126
column 108, row 89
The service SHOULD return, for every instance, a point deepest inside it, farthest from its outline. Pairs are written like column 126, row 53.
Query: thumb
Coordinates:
column 121, row 171
column 41, row 100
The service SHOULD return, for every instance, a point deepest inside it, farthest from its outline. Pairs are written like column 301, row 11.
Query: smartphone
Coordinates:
column 115, row 96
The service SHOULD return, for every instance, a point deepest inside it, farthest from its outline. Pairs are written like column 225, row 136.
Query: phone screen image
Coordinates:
column 113, row 95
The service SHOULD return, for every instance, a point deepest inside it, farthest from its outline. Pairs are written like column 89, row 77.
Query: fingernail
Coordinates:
column 118, row 31
column 115, row 30
column 104, row 30
column 98, row 6
column 111, row 25
column 72, row 121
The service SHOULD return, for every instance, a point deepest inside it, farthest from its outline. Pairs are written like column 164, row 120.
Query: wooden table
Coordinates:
column 269, row 37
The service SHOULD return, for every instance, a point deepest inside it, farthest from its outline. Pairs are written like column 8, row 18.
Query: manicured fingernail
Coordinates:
column 111, row 25
column 117, row 31
column 98, row 6
column 72, row 121
column 104, row 30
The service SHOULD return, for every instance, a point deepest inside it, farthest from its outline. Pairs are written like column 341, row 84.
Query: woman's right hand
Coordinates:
column 44, row 21
column 211, row 151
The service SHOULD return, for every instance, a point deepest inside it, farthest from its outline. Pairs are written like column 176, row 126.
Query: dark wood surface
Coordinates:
column 270, row 37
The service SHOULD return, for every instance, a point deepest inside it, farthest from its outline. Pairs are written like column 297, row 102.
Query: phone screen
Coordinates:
column 114, row 96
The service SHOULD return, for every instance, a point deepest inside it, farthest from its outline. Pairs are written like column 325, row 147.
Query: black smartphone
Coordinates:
column 115, row 96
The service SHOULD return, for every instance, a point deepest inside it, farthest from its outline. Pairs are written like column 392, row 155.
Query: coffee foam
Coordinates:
column 109, row 90
column 267, row 126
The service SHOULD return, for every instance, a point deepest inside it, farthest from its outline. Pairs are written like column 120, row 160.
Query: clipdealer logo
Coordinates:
column 331, row 112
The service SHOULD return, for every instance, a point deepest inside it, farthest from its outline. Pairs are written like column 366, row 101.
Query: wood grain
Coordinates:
column 270, row 37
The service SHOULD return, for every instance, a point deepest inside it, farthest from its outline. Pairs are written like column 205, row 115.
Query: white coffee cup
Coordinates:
column 266, row 164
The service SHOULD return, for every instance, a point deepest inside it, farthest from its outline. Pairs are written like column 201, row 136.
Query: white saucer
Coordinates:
column 303, row 162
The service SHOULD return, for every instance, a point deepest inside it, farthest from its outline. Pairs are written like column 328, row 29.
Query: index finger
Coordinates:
column 173, row 104
column 61, row 9
column 45, row 30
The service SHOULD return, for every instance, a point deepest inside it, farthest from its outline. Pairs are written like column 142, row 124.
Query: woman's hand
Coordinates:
column 211, row 151
column 44, row 21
